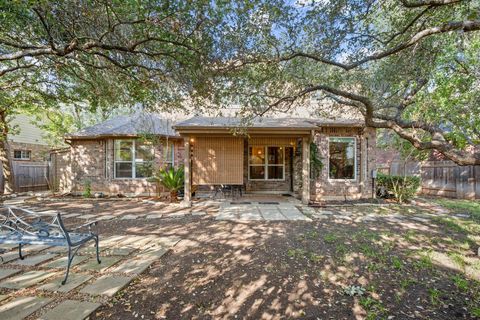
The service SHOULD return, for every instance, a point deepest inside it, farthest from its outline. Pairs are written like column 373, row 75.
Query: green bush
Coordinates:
column 402, row 188
column 87, row 192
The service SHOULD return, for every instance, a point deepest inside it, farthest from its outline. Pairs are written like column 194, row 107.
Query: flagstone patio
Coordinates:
column 30, row 286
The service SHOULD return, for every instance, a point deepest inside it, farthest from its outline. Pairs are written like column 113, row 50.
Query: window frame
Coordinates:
column 21, row 155
column 165, row 163
column 133, row 162
column 265, row 164
column 354, row 159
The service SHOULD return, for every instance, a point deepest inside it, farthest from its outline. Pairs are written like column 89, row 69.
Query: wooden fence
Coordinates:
column 29, row 176
column 441, row 178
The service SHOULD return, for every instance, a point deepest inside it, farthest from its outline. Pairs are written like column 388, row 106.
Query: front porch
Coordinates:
column 273, row 165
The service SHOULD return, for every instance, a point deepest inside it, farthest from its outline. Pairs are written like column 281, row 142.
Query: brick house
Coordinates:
column 270, row 155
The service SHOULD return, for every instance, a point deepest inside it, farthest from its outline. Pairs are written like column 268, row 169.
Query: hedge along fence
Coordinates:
column 403, row 188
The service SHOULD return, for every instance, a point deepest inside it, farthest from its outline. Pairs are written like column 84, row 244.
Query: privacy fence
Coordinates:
column 29, row 176
column 442, row 178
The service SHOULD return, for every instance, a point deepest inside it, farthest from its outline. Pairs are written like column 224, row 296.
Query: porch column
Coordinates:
column 306, row 170
column 187, row 197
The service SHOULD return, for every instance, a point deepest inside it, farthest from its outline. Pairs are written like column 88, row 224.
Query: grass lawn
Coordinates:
column 471, row 207
column 404, row 261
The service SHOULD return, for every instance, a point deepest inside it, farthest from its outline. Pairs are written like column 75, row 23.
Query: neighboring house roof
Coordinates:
column 264, row 123
column 28, row 132
column 127, row 126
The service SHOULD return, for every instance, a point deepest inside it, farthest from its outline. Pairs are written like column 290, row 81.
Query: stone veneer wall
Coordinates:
column 93, row 160
column 38, row 152
column 323, row 188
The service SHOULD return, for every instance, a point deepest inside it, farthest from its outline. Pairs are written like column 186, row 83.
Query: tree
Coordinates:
column 408, row 66
column 97, row 55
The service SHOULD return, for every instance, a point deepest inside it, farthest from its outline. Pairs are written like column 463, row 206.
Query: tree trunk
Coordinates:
column 173, row 196
column 5, row 158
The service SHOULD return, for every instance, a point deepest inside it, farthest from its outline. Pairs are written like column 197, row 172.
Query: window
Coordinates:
column 133, row 159
column 21, row 154
column 168, row 155
column 342, row 158
column 266, row 163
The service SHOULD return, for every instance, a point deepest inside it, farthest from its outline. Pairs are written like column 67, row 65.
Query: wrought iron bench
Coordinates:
column 21, row 226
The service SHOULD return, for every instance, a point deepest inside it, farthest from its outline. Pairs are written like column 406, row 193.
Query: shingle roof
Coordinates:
column 128, row 125
column 294, row 123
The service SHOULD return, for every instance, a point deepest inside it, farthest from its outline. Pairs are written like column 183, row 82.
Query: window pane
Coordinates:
column 257, row 155
column 275, row 155
column 123, row 150
column 123, row 170
column 342, row 158
column 143, row 151
column 17, row 154
column 257, row 172
column 143, row 169
column 168, row 151
column 275, row 172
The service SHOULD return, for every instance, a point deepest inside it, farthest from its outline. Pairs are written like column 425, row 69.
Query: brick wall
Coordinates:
column 93, row 161
column 38, row 152
column 361, row 187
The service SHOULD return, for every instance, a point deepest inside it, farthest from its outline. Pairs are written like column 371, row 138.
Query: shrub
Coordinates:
column 172, row 179
column 402, row 188
column 87, row 192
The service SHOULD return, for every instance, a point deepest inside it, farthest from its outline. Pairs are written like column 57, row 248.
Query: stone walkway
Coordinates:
column 258, row 211
column 32, row 287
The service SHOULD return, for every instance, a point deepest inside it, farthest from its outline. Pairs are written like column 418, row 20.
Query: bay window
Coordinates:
column 133, row 159
column 342, row 158
column 266, row 163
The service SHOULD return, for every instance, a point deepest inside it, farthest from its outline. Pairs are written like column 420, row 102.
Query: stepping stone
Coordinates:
column 112, row 240
column 87, row 216
column 3, row 297
column 10, row 256
column 71, row 215
column 8, row 246
column 130, row 217
column 166, row 241
column 107, row 285
column 107, row 217
column 22, row 307
column 91, row 250
column 72, row 310
column 136, row 241
column 74, row 280
column 118, row 251
column 293, row 214
column 93, row 265
column 176, row 214
column 271, row 215
column 5, row 273
column 26, row 279
column 153, row 253
column 199, row 213
column 420, row 219
column 34, row 248
column 250, row 216
column 34, row 260
column 133, row 266
column 62, row 262
column 154, row 216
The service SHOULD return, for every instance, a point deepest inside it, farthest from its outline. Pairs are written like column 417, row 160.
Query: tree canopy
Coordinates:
column 411, row 66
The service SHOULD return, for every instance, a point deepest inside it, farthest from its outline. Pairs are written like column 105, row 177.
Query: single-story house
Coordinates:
column 267, row 155
column 118, row 155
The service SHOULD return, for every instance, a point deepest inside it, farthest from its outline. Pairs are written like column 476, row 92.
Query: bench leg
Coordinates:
column 69, row 262
column 20, row 252
column 98, row 249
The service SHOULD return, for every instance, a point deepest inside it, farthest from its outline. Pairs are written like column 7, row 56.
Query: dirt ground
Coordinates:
column 407, row 267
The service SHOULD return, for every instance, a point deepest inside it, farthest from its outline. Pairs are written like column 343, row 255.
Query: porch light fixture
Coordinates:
column 192, row 140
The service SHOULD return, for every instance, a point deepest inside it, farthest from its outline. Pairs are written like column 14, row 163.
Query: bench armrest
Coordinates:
column 86, row 225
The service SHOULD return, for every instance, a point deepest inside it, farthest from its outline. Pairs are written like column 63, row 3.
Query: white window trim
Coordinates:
column 354, row 160
column 21, row 155
column 164, row 162
column 132, row 162
column 266, row 165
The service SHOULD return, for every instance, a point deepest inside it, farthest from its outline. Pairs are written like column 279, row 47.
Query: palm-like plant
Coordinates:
column 172, row 179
